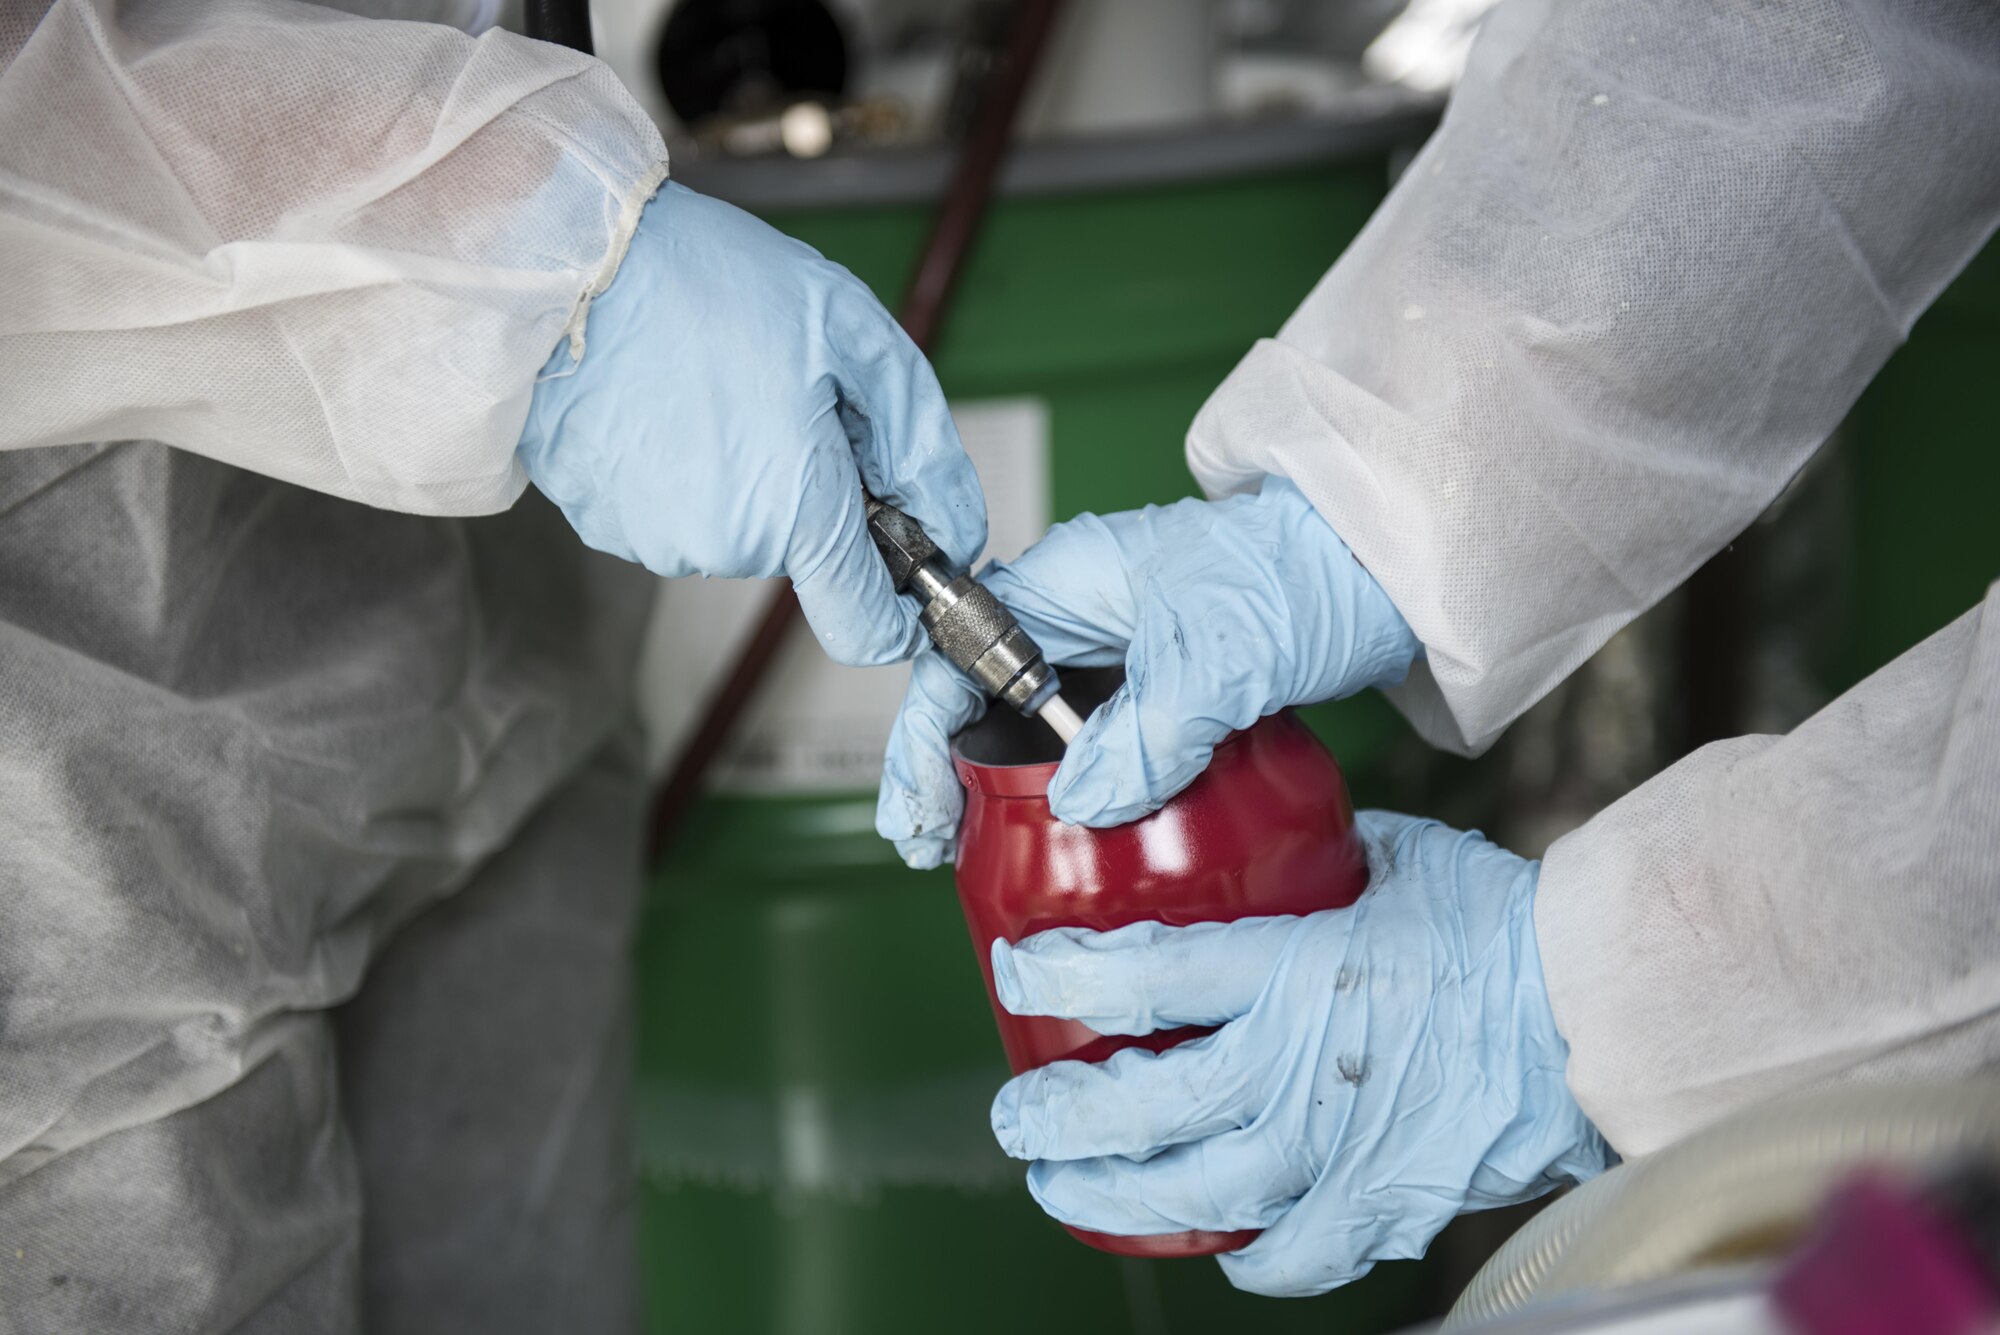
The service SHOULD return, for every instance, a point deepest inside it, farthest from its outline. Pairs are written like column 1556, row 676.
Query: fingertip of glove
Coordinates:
column 1005, row 1119
column 921, row 854
column 1104, row 779
column 1274, row 1275
column 1006, row 977
column 1067, row 804
column 1086, row 796
column 1078, row 792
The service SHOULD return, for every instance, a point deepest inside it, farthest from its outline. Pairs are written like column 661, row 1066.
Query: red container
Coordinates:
column 1267, row 829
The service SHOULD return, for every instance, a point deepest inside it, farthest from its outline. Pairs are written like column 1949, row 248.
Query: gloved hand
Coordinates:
column 735, row 391
column 1379, row 1068
column 1222, row 612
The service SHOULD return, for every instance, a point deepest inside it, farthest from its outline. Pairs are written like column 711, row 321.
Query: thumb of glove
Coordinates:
column 1155, row 735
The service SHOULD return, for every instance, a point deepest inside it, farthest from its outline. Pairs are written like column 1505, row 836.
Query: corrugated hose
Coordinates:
column 1737, row 1186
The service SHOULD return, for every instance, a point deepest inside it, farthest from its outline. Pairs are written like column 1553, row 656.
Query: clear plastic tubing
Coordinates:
column 1059, row 716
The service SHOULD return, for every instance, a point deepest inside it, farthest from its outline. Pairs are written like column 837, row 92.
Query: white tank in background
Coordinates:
column 1122, row 65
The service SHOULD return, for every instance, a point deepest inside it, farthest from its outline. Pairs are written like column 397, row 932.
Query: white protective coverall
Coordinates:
column 1650, row 259
column 251, row 728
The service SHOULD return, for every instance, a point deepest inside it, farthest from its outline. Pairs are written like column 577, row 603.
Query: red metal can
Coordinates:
column 1267, row 829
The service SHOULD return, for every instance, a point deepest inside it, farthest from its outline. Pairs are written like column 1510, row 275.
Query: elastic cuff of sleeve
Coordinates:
column 633, row 205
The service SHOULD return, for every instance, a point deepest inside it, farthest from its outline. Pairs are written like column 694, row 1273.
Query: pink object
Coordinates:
column 1268, row 829
column 1883, row 1262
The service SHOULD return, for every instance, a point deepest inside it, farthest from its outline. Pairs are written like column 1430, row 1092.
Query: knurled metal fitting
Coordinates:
column 965, row 621
column 901, row 540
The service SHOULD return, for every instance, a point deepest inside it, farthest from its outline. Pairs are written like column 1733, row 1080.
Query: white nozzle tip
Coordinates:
column 1059, row 716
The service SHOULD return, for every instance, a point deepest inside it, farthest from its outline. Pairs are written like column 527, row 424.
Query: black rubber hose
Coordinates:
column 564, row 22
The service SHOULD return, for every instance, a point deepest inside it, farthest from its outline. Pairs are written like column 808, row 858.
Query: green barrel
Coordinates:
column 815, row 1054
column 1921, row 445
column 816, row 1057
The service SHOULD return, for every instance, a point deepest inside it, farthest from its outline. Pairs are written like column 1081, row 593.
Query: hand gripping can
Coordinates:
column 1267, row 829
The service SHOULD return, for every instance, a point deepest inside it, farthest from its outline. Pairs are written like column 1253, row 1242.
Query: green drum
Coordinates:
column 815, row 1054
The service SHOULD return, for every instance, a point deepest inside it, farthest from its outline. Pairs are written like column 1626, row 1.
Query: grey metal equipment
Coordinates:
column 967, row 623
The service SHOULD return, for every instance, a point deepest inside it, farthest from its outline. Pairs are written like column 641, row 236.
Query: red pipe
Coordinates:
column 925, row 302
column 958, row 217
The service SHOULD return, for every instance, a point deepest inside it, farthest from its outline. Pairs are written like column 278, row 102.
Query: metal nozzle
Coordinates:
column 972, row 627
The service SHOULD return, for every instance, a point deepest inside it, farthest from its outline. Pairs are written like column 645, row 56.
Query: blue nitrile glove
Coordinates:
column 735, row 392
column 1221, row 611
column 1379, row 1069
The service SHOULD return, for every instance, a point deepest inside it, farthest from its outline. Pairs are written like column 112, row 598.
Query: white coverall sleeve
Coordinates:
column 1634, row 280
column 1780, row 913
column 330, row 249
